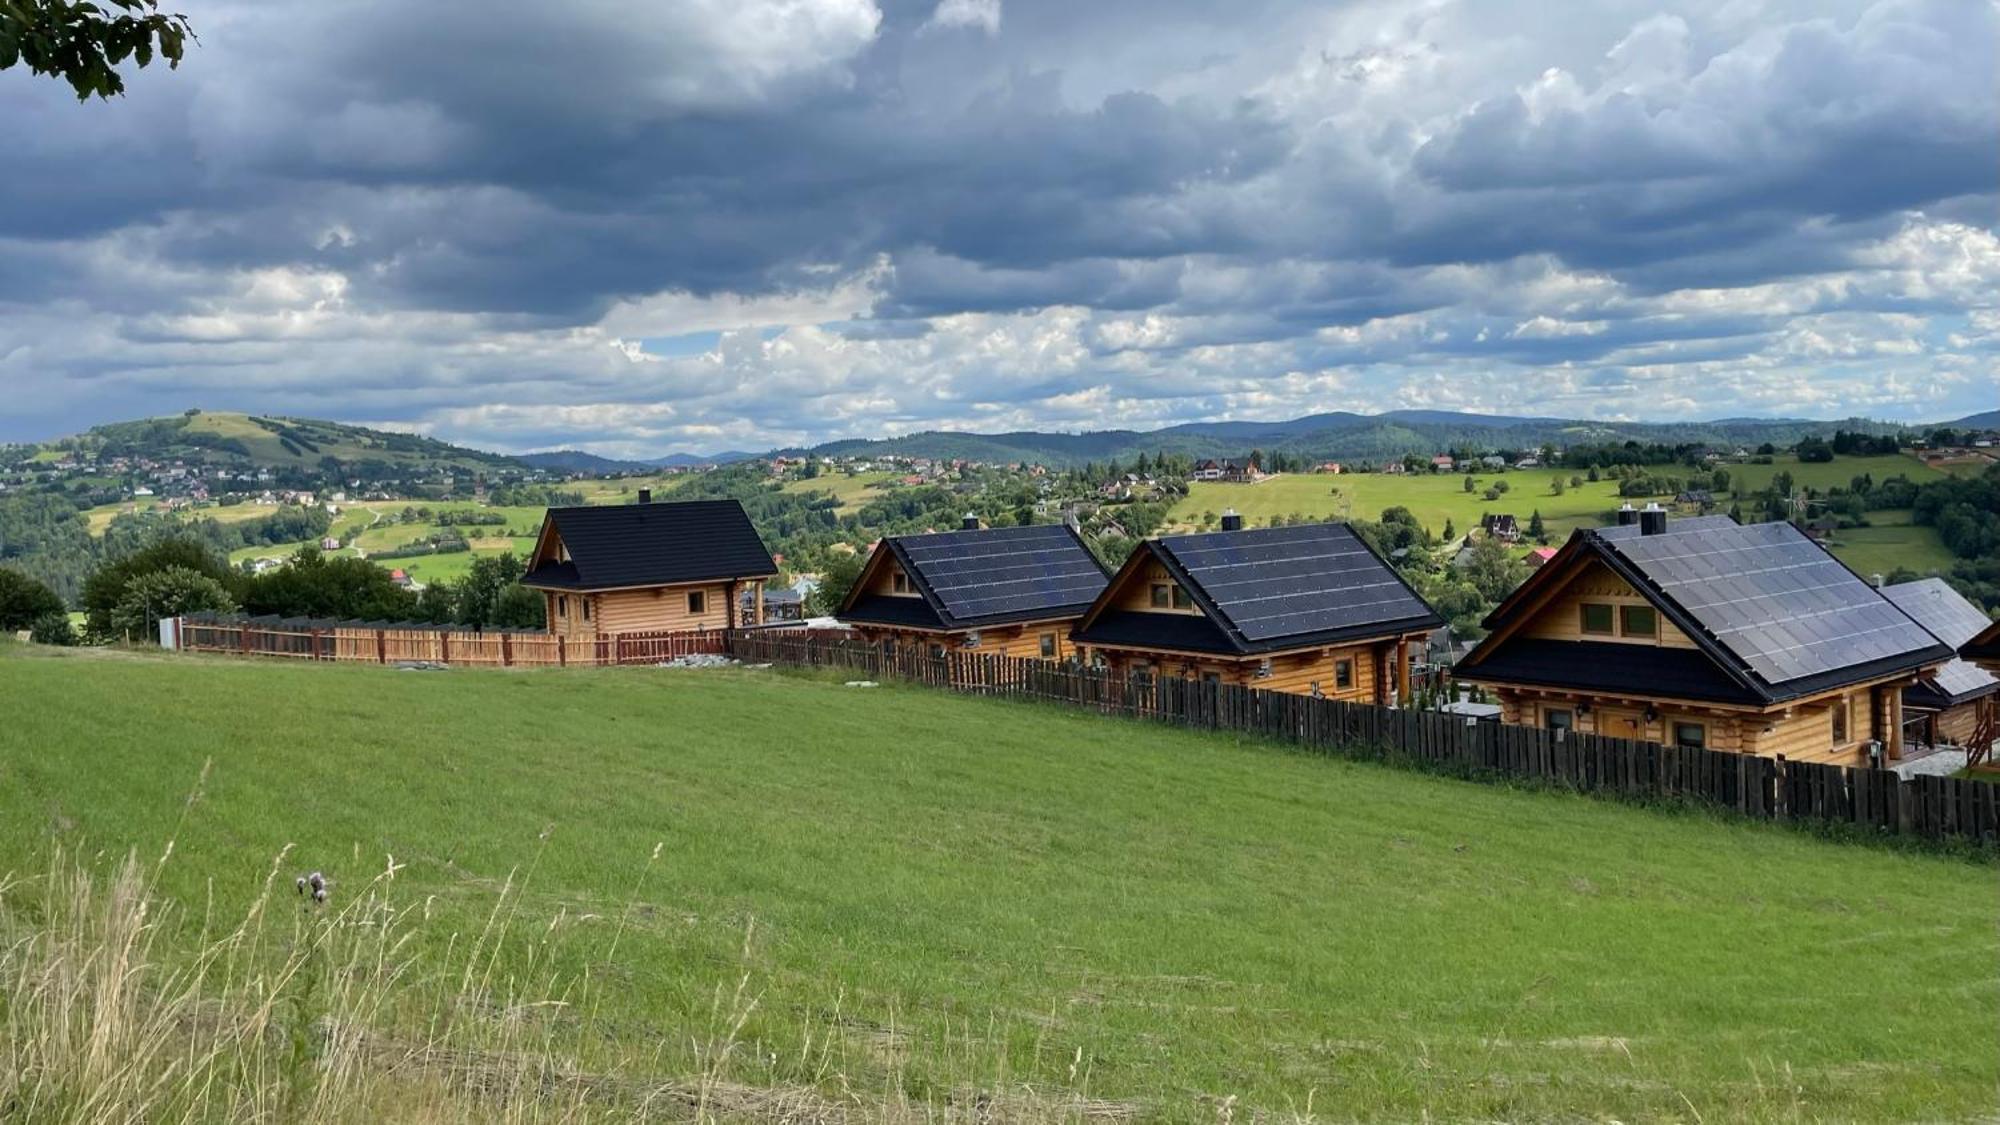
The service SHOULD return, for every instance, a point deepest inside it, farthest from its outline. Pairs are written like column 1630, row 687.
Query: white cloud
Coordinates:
column 978, row 15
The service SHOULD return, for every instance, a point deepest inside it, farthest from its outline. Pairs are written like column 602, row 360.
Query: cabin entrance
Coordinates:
column 1615, row 723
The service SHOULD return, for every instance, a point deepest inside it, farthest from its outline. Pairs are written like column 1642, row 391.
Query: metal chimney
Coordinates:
column 1653, row 520
column 1627, row 515
column 645, row 496
column 1231, row 521
column 969, row 523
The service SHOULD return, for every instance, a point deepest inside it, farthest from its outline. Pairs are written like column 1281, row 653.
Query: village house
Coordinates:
column 1443, row 463
column 1500, row 526
column 642, row 567
column 1953, row 706
column 1700, row 632
column 1309, row 609
column 1013, row 591
column 1231, row 469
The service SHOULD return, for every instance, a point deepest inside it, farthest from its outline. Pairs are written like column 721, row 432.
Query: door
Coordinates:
column 1615, row 723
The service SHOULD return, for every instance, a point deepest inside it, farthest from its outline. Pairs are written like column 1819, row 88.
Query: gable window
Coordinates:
column 1048, row 646
column 1840, row 720
column 1638, row 621
column 697, row 602
column 1558, row 718
column 1691, row 735
column 1343, row 674
column 1180, row 597
column 900, row 583
column 1162, row 595
column 1595, row 619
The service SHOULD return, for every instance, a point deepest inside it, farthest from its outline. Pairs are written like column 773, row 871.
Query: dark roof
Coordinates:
column 1955, row 621
column 1180, row 632
column 1284, row 587
column 990, row 576
column 1768, row 606
column 622, row 545
column 1679, row 673
column 883, row 609
column 1985, row 646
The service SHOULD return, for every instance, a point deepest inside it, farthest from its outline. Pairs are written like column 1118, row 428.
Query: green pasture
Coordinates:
column 1432, row 497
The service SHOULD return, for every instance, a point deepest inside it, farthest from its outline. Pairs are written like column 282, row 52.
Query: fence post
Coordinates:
column 243, row 638
column 506, row 650
column 562, row 652
column 444, row 646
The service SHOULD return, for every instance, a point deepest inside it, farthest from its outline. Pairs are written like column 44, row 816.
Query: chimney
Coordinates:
column 969, row 523
column 645, row 496
column 1627, row 515
column 1876, row 580
column 1231, row 521
column 1653, row 521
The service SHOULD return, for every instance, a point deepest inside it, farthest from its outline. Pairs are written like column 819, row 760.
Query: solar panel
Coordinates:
column 1293, row 581
column 1005, row 571
column 1775, row 599
column 1674, row 527
column 1939, row 608
column 1958, row 677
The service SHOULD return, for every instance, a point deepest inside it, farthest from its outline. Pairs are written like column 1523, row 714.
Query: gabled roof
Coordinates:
column 1955, row 621
column 981, row 577
column 1263, row 590
column 1985, row 647
column 1769, row 607
column 626, row 545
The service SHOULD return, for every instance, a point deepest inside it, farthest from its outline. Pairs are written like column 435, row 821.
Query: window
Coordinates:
column 1343, row 674
column 1558, row 718
column 1180, row 598
column 971, row 639
column 1840, row 720
column 1211, row 677
column 1048, row 646
column 1596, row 619
column 585, row 603
column 1638, row 621
column 1264, row 668
column 900, row 583
column 562, row 605
column 1162, row 595
column 697, row 602
column 1693, row 735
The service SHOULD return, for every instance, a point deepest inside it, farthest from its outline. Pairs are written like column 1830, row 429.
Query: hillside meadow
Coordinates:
column 743, row 893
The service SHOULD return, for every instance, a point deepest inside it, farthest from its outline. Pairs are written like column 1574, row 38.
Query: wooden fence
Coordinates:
column 1765, row 788
column 375, row 642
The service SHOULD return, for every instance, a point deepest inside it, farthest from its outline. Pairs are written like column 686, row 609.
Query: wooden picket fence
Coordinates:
column 1934, row 808
column 402, row 642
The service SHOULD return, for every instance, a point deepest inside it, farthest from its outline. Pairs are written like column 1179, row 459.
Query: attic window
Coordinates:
column 1638, row 621
column 1162, row 595
column 1180, row 597
column 900, row 583
column 1596, row 619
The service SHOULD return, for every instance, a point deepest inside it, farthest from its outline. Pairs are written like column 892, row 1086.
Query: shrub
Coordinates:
column 52, row 629
column 24, row 601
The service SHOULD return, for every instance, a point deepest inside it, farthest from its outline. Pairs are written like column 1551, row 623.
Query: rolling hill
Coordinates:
column 276, row 442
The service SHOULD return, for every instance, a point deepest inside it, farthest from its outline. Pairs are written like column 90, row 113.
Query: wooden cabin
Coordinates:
column 1309, row 609
column 1950, row 706
column 1701, row 632
column 1984, row 649
column 643, row 567
column 1015, row 591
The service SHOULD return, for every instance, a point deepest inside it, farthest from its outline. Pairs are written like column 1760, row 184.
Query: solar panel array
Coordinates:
column 1775, row 599
column 1293, row 581
column 1674, row 527
column 1939, row 608
column 1005, row 570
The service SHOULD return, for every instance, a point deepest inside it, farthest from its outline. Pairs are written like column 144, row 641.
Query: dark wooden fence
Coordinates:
column 1765, row 788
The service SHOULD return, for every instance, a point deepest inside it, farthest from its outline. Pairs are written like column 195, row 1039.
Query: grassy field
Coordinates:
column 887, row 896
column 1433, row 498
column 1890, row 541
column 852, row 491
column 1826, row 474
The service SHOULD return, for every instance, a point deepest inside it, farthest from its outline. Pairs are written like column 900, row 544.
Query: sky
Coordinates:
column 735, row 224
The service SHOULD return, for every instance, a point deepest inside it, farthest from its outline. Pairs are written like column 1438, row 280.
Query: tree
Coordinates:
column 79, row 42
column 1470, row 484
column 24, row 600
column 480, row 591
column 311, row 584
column 1556, row 487
column 166, row 593
column 1492, row 571
column 105, row 588
column 52, row 629
column 1536, row 530
column 834, row 579
column 1450, row 530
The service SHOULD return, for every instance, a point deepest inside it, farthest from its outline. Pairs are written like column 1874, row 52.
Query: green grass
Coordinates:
column 1826, row 474
column 852, row 491
column 1433, row 498
column 1881, row 548
column 951, row 892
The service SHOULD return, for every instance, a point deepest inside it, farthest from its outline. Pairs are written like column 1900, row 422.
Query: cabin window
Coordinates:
column 1691, row 735
column 900, row 583
column 937, row 650
column 1162, row 595
column 697, row 602
column 1048, row 646
column 562, row 605
column 1840, row 720
column 1343, row 674
column 1558, row 718
column 1638, row 621
column 585, row 603
column 1596, row 620
column 1180, row 597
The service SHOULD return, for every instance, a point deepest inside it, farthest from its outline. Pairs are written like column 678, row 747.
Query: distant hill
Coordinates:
column 577, row 461
column 1340, row 436
column 1990, row 420
column 690, row 460
column 293, row 446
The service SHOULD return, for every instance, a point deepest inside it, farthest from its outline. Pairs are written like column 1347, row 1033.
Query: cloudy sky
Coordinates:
column 708, row 224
